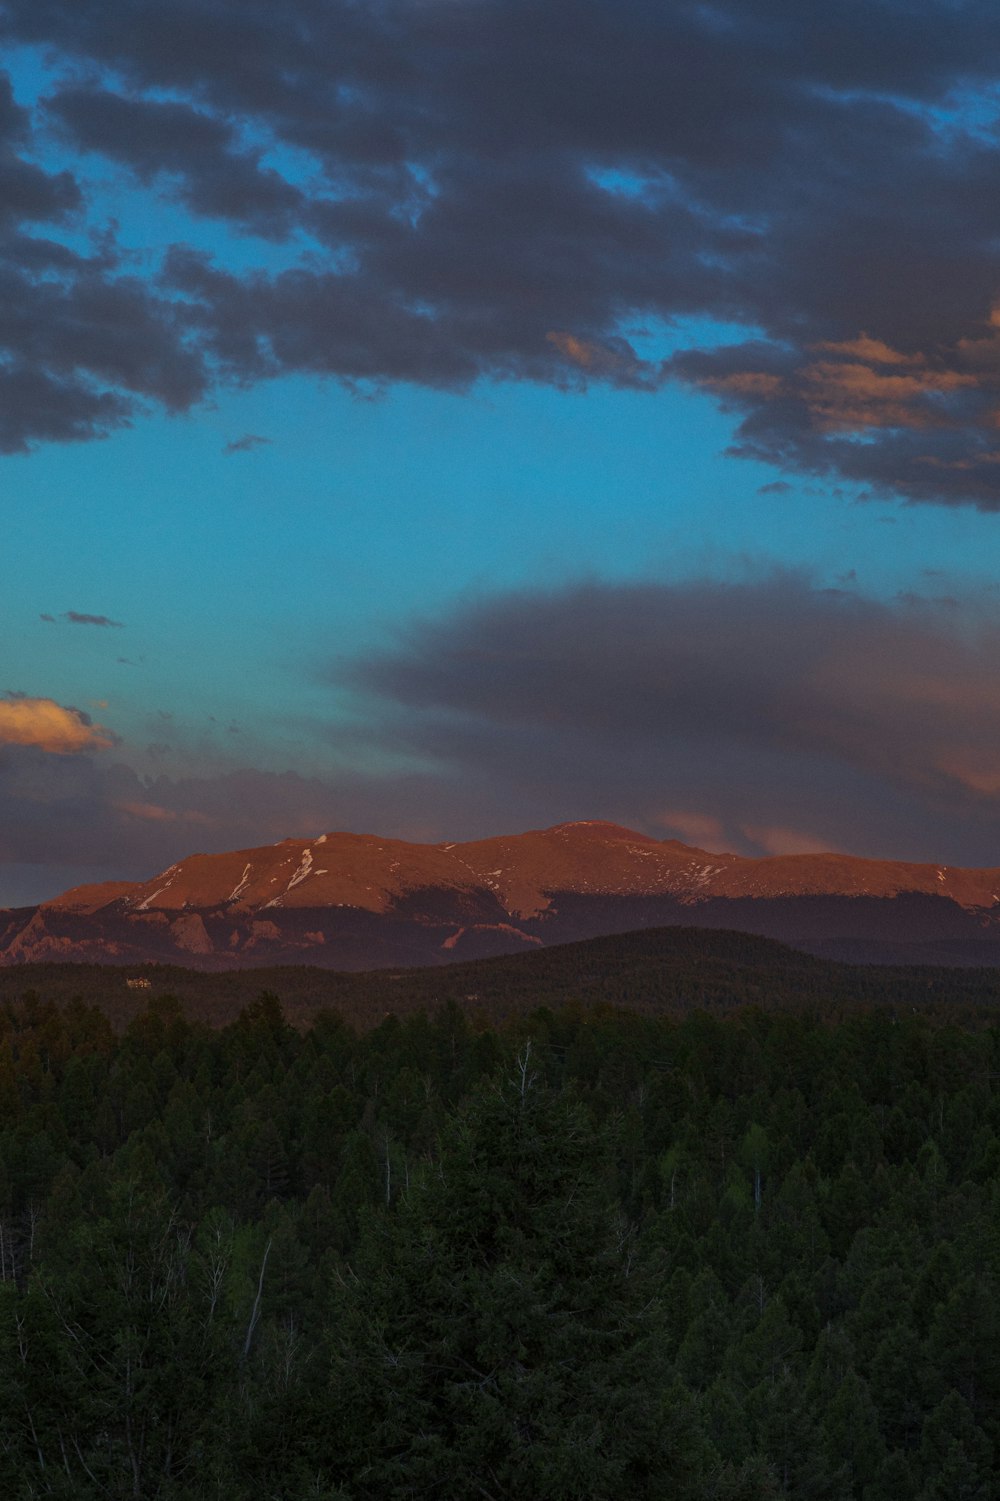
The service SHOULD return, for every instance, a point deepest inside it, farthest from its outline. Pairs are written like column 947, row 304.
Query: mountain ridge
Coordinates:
column 359, row 901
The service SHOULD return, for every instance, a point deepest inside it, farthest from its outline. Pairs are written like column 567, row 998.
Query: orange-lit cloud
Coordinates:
column 923, row 415
column 849, row 395
column 612, row 361
column 156, row 813
column 151, row 811
column 49, row 726
column 871, row 351
column 864, row 385
column 582, row 352
column 978, row 772
column 746, row 383
column 959, row 465
column 783, row 841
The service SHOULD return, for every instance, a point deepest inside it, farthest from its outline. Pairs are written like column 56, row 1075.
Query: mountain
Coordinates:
column 350, row 901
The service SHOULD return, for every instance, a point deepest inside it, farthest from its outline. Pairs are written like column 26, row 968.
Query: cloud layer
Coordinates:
column 765, row 716
column 493, row 188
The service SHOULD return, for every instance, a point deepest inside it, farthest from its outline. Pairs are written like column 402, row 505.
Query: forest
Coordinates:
column 585, row 1251
column 655, row 971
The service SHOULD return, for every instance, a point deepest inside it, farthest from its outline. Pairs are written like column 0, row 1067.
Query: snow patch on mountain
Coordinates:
column 145, row 905
column 241, row 884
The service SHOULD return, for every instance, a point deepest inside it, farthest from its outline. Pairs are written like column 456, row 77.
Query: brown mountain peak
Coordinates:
column 361, row 899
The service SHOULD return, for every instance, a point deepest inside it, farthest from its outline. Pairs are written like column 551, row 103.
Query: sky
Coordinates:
column 442, row 418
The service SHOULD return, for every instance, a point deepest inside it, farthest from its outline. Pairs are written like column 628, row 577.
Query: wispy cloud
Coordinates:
column 157, row 813
column 246, row 444
column 76, row 617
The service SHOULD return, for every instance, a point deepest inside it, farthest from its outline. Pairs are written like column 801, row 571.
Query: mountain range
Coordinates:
column 351, row 902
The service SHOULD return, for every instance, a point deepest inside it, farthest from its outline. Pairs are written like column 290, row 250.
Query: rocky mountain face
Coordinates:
column 350, row 901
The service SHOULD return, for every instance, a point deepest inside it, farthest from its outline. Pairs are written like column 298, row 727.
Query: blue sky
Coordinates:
column 390, row 381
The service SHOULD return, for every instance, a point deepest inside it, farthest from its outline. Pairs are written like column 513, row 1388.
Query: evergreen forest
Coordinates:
column 583, row 1252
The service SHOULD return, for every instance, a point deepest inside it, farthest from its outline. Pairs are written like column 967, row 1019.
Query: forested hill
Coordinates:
column 655, row 971
column 581, row 1257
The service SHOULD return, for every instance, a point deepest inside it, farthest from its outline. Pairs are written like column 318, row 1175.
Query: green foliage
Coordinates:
column 512, row 1339
column 588, row 1254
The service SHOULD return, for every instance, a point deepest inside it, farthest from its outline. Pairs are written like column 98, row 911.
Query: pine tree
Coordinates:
column 509, row 1344
column 956, row 1455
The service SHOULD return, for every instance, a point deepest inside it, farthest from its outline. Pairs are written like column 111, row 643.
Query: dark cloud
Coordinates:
column 775, row 710
column 26, row 192
column 246, row 444
column 198, row 150
column 98, row 818
column 82, row 345
column 35, row 407
column 83, row 350
column 75, row 617
column 499, row 188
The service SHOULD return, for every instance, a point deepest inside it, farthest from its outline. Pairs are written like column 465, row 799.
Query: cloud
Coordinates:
column 502, row 191
column 78, row 617
column 246, row 444
column 48, row 726
column 872, row 352
column 780, row 841
column 615, row 361
column 693, row 828
column 194, row 150
column 895, row 423
column 156, row 813
column 75, row 617
column 84, row 344
column 771, row 714
column 95, row 815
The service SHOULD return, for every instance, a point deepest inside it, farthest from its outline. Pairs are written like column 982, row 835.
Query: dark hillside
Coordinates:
column 665, row 971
